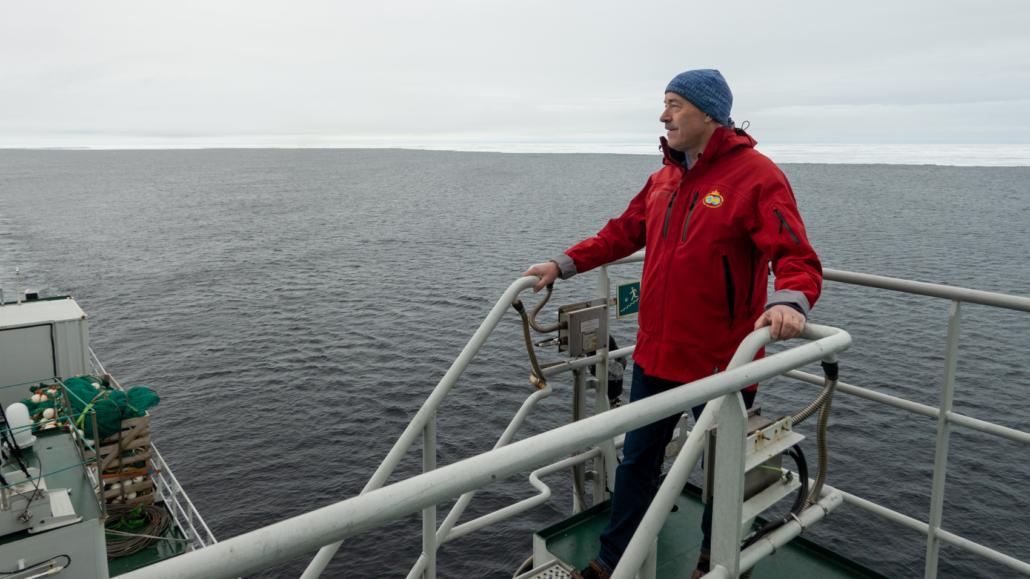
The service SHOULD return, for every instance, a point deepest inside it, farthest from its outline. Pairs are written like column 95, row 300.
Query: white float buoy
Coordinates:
column 48, row 413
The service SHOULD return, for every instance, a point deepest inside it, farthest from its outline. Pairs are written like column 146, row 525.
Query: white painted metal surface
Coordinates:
column 38, row 328
column 832, row 341
column 378, row 505
column 40, row 312
column 729, row 495
column 330, row 525
column 31, row 347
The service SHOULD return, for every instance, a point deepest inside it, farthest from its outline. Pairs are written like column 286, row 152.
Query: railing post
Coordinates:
column 604, row 465
column 729, row 471
column 579, row 404
column 649, row 569
column 940, row 463
column 429, row 514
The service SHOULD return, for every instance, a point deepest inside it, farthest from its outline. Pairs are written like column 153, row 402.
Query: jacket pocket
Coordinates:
column 690, row 210
column 783, row 223
column 668, row 212
column 731, row 290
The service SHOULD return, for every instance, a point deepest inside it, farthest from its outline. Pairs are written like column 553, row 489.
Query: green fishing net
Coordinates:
column 90, row 394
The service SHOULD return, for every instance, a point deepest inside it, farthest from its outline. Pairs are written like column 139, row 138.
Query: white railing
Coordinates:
column 594, row 438
column 943, row 414
column 327, row 527
column 179, row 505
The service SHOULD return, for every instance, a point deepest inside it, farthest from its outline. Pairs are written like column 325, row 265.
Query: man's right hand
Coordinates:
column 547, row 272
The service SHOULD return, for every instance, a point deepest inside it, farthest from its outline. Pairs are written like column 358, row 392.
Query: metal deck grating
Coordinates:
column 550, row 570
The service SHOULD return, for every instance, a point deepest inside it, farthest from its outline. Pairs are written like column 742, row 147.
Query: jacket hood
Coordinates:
column 723, row 141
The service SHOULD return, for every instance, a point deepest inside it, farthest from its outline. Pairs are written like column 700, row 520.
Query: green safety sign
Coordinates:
column 629, row 299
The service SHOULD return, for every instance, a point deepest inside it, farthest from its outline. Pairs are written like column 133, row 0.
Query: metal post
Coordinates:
column 96, row 460
column 579, row 403
column 940, row 463
column 429, row 514
column 649, row 570
column 604, row 465
column 729, row 496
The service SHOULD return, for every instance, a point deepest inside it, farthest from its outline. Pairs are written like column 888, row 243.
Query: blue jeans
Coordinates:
column 636, row 478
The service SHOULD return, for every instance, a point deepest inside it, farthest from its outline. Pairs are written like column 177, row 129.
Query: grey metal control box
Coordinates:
column 756, row 480
column 583, row 327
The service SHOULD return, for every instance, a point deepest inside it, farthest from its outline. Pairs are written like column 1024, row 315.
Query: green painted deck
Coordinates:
column 58, row 451
column 576, row 540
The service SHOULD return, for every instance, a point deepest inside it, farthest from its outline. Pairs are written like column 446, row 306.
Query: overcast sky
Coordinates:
column 335, row 73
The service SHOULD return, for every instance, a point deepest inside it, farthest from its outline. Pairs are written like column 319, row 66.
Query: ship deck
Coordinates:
column 576, row 540
column 60, row 455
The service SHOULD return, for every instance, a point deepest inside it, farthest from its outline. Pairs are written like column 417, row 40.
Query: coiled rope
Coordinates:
column 123, row 539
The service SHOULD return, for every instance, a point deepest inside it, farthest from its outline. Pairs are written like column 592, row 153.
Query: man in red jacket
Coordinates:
column 712, row 219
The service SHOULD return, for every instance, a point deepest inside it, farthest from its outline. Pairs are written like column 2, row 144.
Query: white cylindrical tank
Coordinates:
column 20, row 423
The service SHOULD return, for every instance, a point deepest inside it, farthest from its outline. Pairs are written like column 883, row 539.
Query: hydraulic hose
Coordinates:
column 537, row 377
column 824, row 455
column 822, row 404
column 536, row 310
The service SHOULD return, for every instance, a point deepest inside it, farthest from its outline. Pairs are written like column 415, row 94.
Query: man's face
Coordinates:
column 686, row 124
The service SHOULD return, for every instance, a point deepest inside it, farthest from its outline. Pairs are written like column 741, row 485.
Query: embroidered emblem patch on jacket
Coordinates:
column 713, row 199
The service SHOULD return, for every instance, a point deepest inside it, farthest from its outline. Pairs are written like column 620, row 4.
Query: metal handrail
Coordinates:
column 176, row 488
column 436, row 397
column 944, row 414
column 955, row 294
column 245, row 558
column 917, row 408
column 661, row 505
column 298, row 535
column 428, row 409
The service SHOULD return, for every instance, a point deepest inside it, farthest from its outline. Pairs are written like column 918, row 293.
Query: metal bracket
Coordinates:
column 766, row 442
column 583, row 327
column 61, row 512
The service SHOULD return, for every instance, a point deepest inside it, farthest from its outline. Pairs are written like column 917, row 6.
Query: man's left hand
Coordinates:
column 786, row 322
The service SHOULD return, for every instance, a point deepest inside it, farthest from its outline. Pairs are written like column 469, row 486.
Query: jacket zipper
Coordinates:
column 783, row 222
column 689, row 211
column 751, row 288
column 668, row 212
column 731, row 291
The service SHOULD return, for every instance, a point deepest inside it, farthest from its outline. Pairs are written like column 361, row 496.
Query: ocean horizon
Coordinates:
column 959, row 155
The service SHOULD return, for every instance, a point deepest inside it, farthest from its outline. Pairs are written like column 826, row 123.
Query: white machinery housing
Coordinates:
column 41, row 339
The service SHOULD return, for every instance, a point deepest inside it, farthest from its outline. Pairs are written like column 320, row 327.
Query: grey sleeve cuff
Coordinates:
column 795, row 299
column 566, row 265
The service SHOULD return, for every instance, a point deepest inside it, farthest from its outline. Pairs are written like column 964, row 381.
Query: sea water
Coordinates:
column 293, row 308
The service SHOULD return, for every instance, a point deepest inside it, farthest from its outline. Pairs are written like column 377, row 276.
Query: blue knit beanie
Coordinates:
column 707, row 90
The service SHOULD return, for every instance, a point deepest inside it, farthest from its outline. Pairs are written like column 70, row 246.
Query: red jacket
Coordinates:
column 710, row 233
